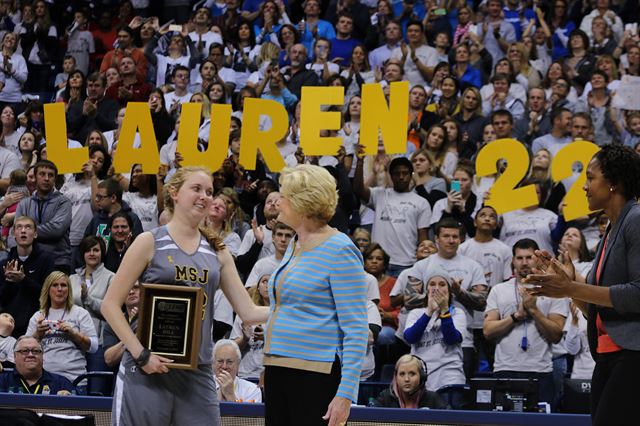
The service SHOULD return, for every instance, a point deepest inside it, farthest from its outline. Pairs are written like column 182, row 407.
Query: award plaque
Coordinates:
column 169, row 322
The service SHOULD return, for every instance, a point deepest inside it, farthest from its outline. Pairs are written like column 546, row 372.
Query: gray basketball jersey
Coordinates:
column 171, row 265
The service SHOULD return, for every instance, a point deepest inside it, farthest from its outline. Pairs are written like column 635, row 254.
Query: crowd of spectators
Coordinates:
column 444, row 270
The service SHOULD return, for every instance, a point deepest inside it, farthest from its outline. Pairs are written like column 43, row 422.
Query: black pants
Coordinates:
column 614, row 396
column 297, row 397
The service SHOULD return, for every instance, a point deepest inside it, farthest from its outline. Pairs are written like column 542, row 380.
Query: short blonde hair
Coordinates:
column 311, row 190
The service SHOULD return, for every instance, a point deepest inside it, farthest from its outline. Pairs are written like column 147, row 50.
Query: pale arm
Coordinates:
column 235, row 292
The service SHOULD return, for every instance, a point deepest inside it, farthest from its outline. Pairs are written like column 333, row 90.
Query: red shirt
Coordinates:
column 605, row 343
column 140, row 89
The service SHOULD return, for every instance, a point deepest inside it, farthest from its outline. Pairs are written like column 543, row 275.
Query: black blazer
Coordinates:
column 621, row 273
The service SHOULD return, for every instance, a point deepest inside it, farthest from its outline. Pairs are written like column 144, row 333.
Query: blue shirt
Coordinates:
column 325, row 30
column 49, row 383
column 513, row 17
column 342, row 49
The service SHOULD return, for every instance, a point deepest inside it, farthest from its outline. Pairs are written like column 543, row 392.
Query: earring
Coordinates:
column 611, row 189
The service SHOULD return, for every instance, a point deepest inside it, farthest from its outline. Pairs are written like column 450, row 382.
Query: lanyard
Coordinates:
column 524, row 343
column 27, row 387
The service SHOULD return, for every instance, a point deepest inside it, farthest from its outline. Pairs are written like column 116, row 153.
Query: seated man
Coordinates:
column 407, row 389
column 29, row 376
column 226, row 359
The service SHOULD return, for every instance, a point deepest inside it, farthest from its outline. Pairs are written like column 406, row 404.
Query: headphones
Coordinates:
column 422, row 368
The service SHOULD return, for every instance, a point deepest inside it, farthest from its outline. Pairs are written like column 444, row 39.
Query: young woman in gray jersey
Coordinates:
column 156, row 394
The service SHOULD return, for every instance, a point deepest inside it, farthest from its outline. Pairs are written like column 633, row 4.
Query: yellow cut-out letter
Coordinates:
column 575, row 200
column 313, row 120
column 67, row 160
column 391, row 118
column 217, row 149
column 137, row 117
column 504, row 196
column 253, row 138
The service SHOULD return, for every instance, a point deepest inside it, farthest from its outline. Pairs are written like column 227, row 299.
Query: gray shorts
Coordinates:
column 180, row 397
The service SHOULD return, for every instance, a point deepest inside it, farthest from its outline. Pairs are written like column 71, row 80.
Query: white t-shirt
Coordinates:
column 171, row 97
column 373, row 289
column 232, row 241
column 550, row 143
column 369, row 362
column 319, row 68
column 207, row 39
column 494, row 257
column 504, row 298
column 245, row 391
column 7, row 344
column 267, row 243
column 61, row 355
column 110, row 137
column 79, row 193
column 223, row 312
column 577, row 344
column 458, row 267
column 145, row 207
column 251, row 365
column 444, row 362
column 165, row 67
column 263, row 266
column 398, row 214
column 427, row 56
column 408, row 276
column 8, row 162
column 535, row 224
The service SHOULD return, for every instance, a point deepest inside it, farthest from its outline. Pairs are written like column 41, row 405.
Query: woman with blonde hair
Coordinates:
column 321, row 293
column 427, row 185
column 155, row 393
column 66, row 331
column 606, row 64
column 525, row 73
column 407, row 389
column 219, row 224
column 237, row 216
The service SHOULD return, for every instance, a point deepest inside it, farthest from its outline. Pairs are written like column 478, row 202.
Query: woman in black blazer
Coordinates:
column 610, row 294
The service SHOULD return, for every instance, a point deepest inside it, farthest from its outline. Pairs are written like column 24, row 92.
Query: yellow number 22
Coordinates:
column 504, row 194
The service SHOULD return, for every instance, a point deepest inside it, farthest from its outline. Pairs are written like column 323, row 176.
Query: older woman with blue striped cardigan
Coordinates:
column 316, row 336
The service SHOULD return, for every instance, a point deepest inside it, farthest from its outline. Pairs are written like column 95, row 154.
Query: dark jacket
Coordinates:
column 302, row 78
column 99, row 225
column 49, row 383
column 621, row 273
column 21, row 299
column 429, row 399
column 53, row 220
column 113, row 257
column 80, row 125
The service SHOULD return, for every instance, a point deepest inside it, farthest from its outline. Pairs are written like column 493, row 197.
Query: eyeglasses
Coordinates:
column 25, row 351
column 101, row 197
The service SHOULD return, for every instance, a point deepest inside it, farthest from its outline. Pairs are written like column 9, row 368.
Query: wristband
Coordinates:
column 143, row 358
column 515, row 320
column 447, row 315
